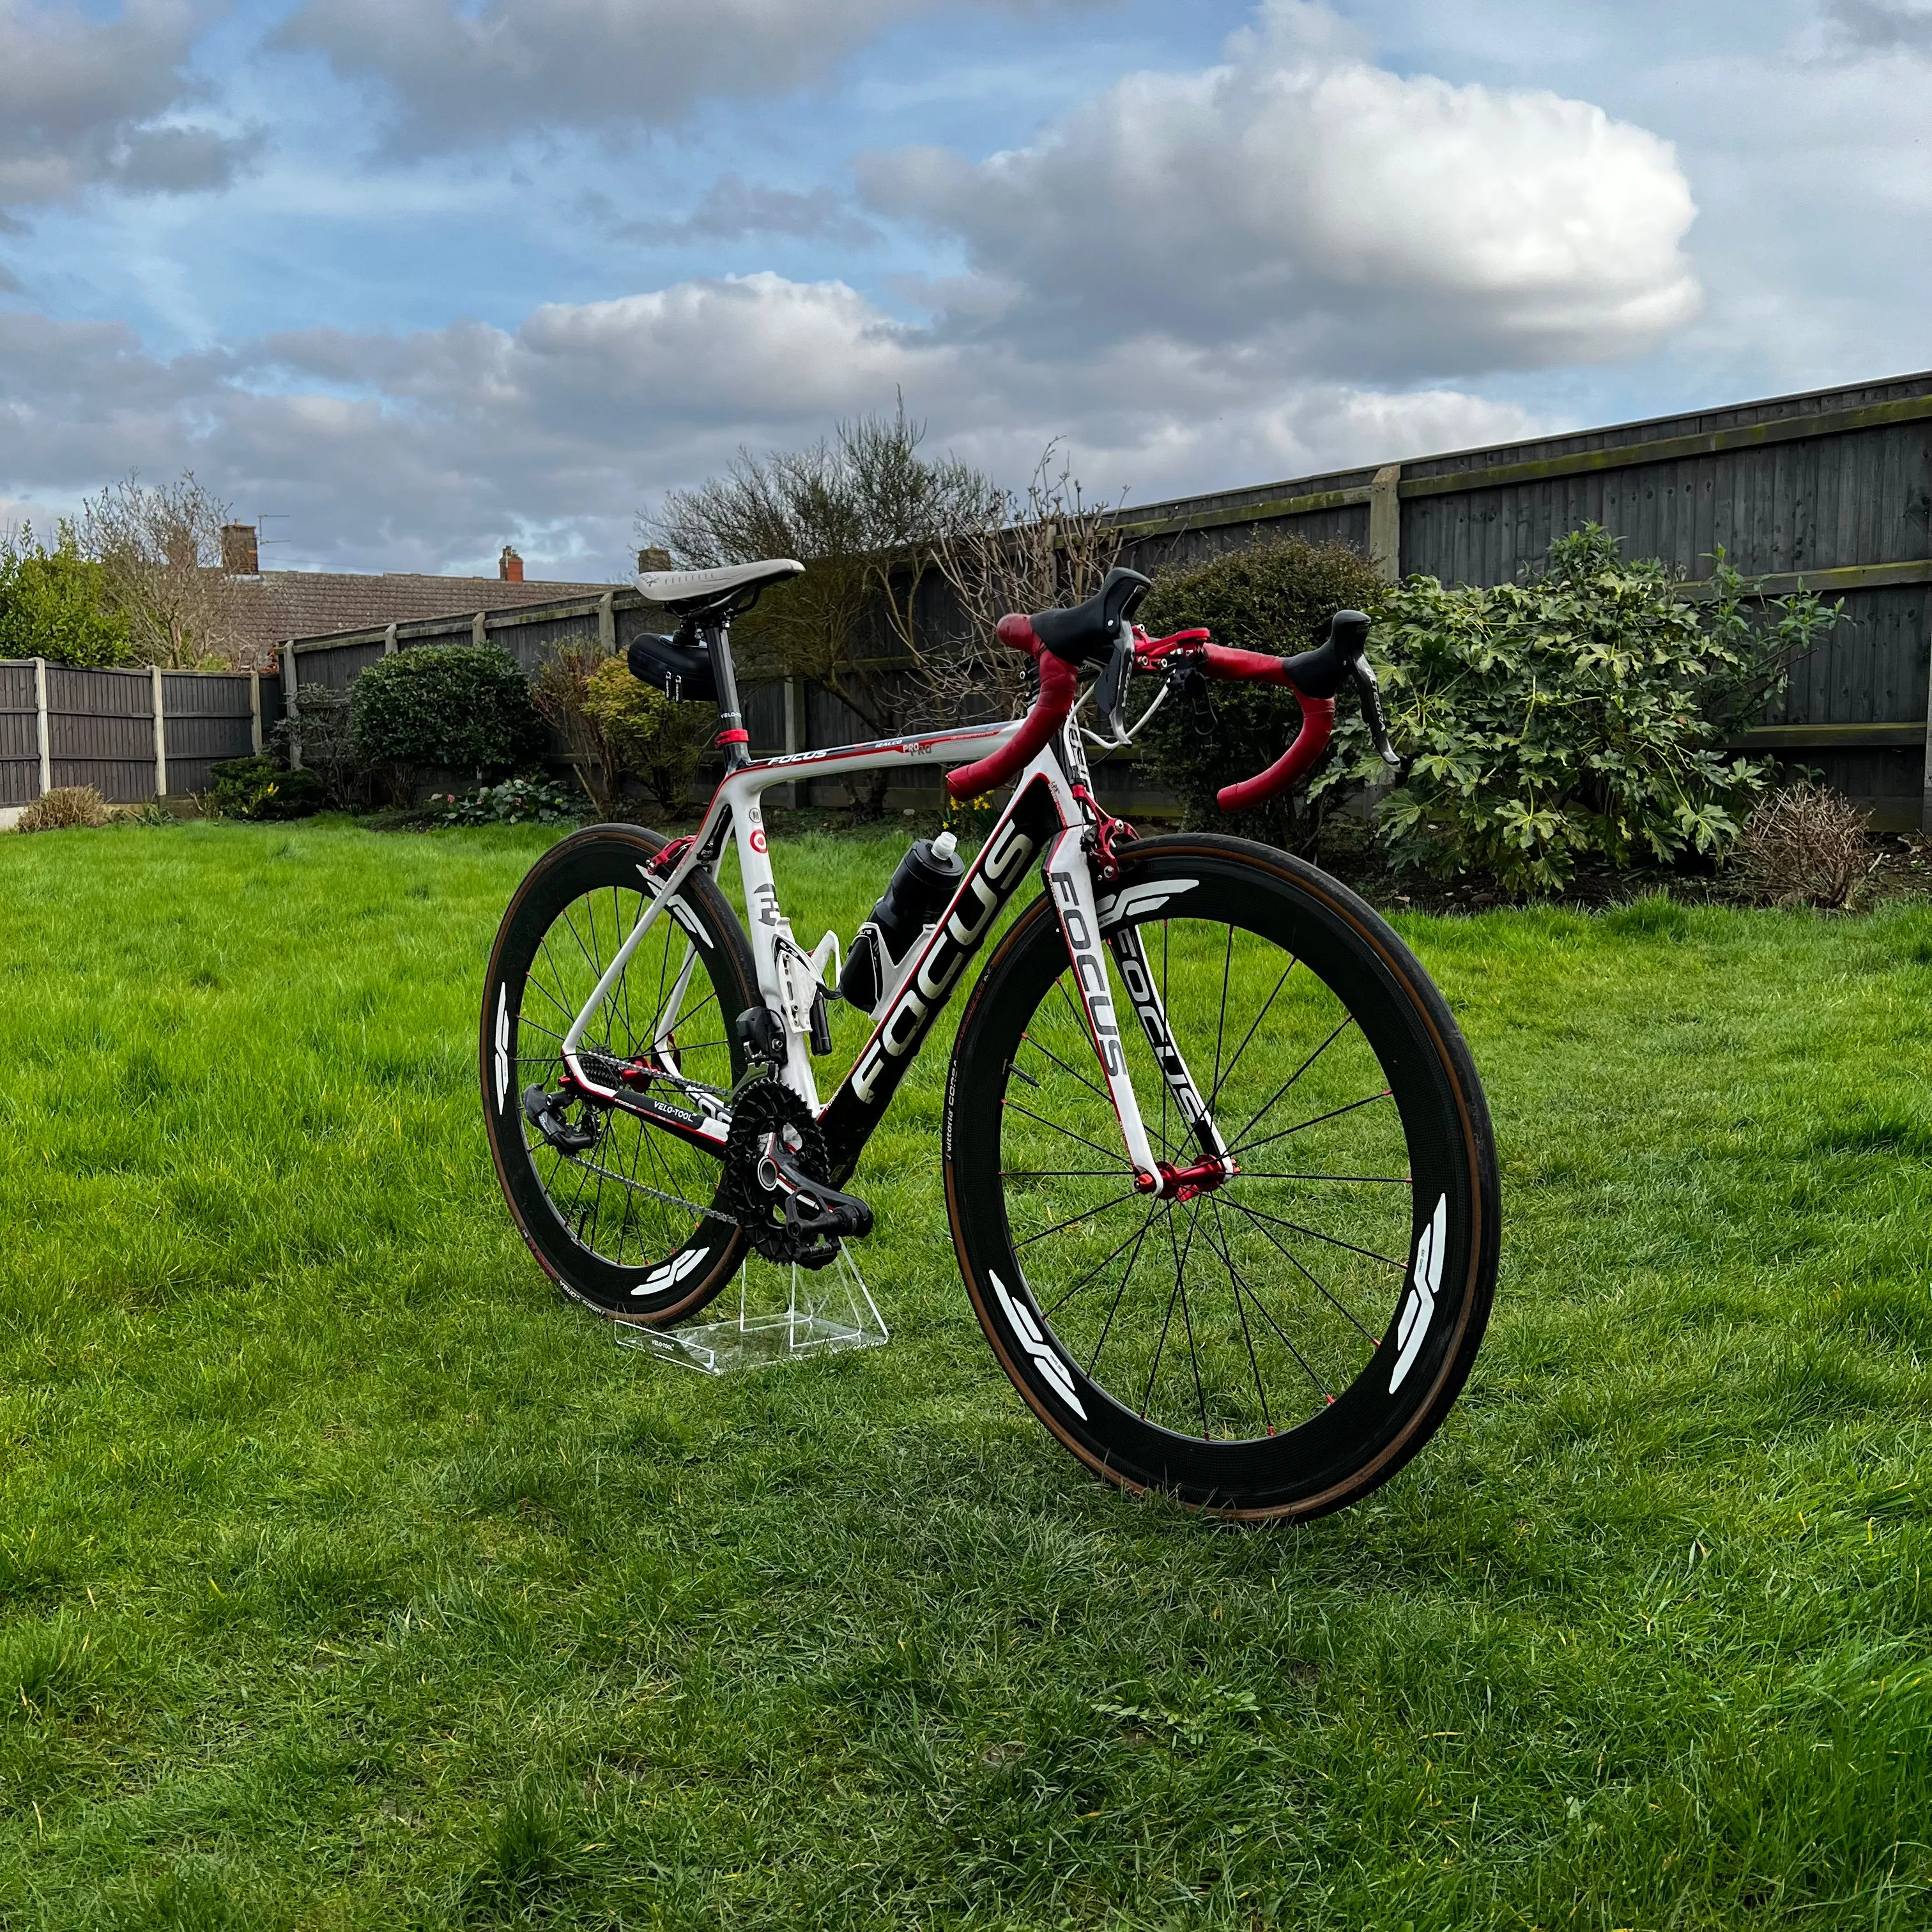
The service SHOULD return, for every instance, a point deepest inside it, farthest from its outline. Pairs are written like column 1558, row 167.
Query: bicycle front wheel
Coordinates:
column 1281, row 1344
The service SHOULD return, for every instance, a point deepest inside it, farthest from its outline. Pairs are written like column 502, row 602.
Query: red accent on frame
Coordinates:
column 733, row 738
column 1151, row 650
column 1058, row 683
column 1317, row 726
column 758, row 841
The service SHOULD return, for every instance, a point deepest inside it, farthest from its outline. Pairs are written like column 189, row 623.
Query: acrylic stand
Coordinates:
column 829, row 1311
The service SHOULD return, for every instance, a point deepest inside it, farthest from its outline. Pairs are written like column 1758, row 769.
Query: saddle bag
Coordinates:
column 681, row 670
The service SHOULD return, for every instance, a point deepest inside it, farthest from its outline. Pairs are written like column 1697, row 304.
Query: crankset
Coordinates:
column 775, row 1179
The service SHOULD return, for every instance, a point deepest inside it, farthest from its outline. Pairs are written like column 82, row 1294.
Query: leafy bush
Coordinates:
column 1805, row 845
column 1576, row 716
column 515, row 802
column 53, row 605
column 1273, row 598
column 63, row 808
column 660, row 742
column 464, row 706
column 324, row 726
column 258, row 788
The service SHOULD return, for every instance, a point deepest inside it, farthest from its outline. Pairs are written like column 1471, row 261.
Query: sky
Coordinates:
column 411, row 279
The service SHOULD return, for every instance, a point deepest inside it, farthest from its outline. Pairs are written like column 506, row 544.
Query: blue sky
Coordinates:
column 423, row 276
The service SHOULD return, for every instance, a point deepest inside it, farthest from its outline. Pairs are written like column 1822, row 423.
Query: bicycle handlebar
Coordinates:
column 1059, row 684
column 1314, row 676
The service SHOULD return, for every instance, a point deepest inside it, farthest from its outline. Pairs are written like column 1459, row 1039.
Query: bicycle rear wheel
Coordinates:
column 1282, row 1344
column 626, row 1223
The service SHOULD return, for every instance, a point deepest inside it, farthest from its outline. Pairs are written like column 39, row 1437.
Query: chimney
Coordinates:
column 240, row 556
column 649, row 560
column 510, row 566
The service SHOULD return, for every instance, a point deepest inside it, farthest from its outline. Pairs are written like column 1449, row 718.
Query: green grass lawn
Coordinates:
column 348, row 1577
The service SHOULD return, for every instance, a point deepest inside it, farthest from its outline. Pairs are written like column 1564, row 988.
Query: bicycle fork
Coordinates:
column 1069, row 880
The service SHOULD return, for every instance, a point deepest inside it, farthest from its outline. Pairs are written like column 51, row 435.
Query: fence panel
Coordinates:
column 206, row 719
column 100, row 730
column 20, row 735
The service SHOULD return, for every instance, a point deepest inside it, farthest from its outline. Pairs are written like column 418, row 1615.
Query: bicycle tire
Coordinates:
column 1415, row 1348
column 563, row 921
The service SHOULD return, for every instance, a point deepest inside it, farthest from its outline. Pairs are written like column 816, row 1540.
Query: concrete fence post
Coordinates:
column 41, row 731
column 288, row 710
column 607, row 623
column 255, row 712
column 389, row 640
column 476, row 627
column 160, row 738
column 1385, row 523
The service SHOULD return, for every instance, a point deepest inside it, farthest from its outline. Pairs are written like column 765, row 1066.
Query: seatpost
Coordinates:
column 718, row 639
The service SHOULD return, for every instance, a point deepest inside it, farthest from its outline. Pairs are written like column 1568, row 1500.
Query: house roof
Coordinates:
column 281, row 604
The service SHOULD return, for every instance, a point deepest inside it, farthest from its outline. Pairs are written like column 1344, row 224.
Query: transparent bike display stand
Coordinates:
column 827, row 1312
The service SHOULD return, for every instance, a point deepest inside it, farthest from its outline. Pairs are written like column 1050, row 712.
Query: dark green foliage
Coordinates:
column 324, row 728
column 466, row 707
column 515, row 802
column 1273, row 598
column 53, row 605
column 1577, row 717
column 258, row 788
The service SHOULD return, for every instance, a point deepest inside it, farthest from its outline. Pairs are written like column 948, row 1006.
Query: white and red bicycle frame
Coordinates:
column 1051, row 813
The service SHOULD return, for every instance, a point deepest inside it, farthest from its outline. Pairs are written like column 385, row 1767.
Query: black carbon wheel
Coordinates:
column 1280, row 1345
column 624, row 1224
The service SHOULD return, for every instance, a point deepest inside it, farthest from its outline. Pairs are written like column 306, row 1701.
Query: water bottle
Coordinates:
column 927, row 877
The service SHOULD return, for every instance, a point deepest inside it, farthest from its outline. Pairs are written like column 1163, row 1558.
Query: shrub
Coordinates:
column 1273, row 598
column 258, row 788
column 324, row 726
column 53, row 605
column 464, row 706
column 64, row 808
column 1576, row 716
column 1805, row 845
column 660, row 742
column 515, row 802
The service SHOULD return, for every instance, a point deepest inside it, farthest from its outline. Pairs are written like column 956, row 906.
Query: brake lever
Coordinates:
column 1110, row 694
column 1369, row 692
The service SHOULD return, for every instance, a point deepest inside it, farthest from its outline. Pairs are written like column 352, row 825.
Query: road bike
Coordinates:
column 1217, row 1162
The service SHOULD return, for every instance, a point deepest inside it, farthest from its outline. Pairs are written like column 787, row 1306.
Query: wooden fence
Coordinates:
column 133, row 735
column 1832, row 489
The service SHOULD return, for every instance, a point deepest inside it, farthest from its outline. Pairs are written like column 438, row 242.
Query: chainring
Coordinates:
column 762, row 1107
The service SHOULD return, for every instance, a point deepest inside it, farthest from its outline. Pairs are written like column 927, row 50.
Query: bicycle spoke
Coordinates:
column 1348, row 1180
column 1321, row 1288
column 1333, row 1113
column 1261, row 1310
column 1316, row 1235
column 1106, row 1261
column 1073, row 1219
column 1249, row 1035
column 1013, row 1106
column 1348, row 1020
column 1126, row 1274
column 1241, row 1315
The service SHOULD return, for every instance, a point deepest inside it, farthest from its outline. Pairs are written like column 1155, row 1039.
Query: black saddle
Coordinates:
column 1087, row 634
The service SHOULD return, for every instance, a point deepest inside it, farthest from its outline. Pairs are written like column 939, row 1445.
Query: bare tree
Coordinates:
column 869, row 515
column 160, row 549
column 1049, row 546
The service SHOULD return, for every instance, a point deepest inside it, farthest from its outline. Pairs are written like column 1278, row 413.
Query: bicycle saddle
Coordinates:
column 1086, row 633
column 683, row 590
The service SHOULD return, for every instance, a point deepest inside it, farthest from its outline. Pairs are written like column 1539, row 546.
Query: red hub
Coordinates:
column 1184, row 1183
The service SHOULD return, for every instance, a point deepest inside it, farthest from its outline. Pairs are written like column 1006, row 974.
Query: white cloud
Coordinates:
column 1300, row 204
column 427, row 451
column 462, row 75
column 82, row 102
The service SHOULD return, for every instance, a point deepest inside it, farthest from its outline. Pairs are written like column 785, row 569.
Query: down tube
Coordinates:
column 1031, row 822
